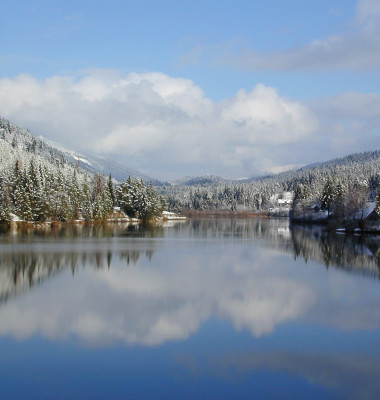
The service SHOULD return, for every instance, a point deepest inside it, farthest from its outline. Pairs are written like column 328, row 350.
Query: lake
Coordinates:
column 198, row 309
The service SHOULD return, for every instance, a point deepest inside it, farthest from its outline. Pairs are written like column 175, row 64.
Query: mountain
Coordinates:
column 358, row 172
column 202, row 180
column 20, row 141
column 282, row 168
column 360, row 166
column 19, row 144
column 369, row 160
column 100, row 164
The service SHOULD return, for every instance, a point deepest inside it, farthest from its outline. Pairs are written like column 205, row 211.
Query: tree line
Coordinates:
column 343, row 202
column 37, row 193
column 356, row 177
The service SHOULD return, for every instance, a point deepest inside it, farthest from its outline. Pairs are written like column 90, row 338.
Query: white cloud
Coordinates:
column 368, row 12
column 356, row 49
column 271, row 118
column 167, row 128
column 157, row 122
column 349, row 122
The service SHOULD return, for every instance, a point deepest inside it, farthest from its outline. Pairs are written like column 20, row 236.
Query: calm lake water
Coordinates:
column 203, row 309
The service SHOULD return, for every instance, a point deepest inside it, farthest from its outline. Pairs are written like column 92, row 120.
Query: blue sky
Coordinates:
column 269, row 83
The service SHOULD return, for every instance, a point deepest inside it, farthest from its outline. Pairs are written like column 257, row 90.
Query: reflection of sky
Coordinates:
column 165, row 299
column 207, row 310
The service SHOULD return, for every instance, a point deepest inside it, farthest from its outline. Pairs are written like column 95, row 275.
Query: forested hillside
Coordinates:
column 38, row 183
column 101, row 164
column 360, row 171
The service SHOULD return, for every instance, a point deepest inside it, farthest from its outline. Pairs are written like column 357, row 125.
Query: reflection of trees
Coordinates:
column 97, row 230
column 349, row 252
column 235, row 228
column 143, row 231
column 20, row 270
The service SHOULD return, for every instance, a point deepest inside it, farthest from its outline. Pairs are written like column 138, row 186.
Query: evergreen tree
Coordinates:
column 125, row 196
column 138, row 200
column 377, row 208
column 4, row 203
column 86, row 200
column 339, row 204
column 327, row 197
column 36, row 195
column 111, row 190
column 76, row 196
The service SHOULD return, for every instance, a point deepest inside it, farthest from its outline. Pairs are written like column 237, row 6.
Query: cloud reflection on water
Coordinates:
column 150, row 301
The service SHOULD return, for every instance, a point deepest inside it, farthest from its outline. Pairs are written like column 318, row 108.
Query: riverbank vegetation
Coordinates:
column 348, row 205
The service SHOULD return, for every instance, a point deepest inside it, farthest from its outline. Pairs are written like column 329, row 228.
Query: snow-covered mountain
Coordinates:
column 360, row 171
column 101, row 164
column 20, row 142
column 202, row 180
column 348, row 165
column 282, row 168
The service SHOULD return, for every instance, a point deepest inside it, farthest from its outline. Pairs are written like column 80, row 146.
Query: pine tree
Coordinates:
column 36, row 195
column 76, row 196
column 4, row 203
column 86, row 206
column 339, row 204
column 111, row 190
column 23, row 209
column 98, row 207
column 327, row 197
column 377, row 208
column 125, row 195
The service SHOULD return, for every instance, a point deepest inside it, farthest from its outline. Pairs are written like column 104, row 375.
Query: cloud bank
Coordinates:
column 157, row 122
column 166, row 127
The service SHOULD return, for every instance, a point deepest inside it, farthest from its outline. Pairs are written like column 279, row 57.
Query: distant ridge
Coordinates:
column 290, row 171
column 355, row 158
column 200, row 180
column 359, row 170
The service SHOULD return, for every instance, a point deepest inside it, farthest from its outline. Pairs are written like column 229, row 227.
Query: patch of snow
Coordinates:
column 171, row 216
column 367, row 209
column 15, row 218
column 83, row 160
column 282, row 168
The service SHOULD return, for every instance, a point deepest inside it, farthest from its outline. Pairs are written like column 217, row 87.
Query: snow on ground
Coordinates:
column 170, row 215
column 15, row 218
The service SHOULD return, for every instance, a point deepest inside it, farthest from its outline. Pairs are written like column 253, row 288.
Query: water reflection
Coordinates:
column 236, row 270
column 351, row 253
column 253, row 293
column 355, row 376
column 358, row 253
column 31, row 257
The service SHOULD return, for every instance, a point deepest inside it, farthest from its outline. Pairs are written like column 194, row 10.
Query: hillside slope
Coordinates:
column 261, row 193
column 21, row 143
